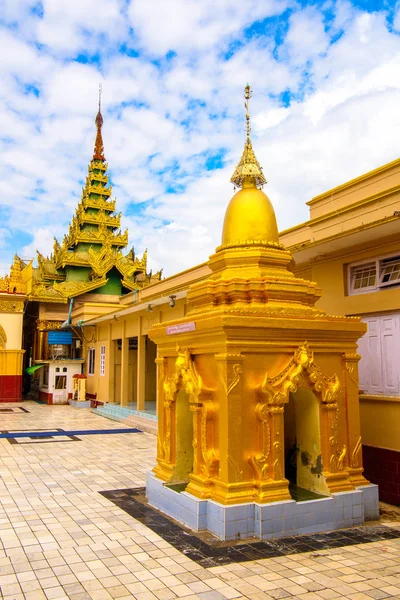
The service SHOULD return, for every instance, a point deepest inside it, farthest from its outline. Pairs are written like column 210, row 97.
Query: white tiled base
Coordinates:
column 276, row 519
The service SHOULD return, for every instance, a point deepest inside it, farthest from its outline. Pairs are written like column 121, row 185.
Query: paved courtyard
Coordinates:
column 60, row 538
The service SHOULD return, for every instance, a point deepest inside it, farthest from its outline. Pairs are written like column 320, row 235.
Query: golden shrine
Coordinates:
column 258, row 390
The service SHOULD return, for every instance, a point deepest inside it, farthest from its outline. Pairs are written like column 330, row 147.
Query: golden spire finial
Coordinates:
column 248, row 168
column 247, row 96
column 98, row 144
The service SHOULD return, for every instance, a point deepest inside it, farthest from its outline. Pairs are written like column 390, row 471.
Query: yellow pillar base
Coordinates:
column 356, row 477
column 338, row 482
column 273, row 491
column 201, row 488
column 162, row 471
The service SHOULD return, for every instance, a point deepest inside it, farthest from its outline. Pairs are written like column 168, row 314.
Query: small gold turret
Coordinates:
column 250, row 216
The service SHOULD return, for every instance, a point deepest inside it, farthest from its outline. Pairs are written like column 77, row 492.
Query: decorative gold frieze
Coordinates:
column 276, row 389
column 355, row 455
column 45, row 324
column 11, row 306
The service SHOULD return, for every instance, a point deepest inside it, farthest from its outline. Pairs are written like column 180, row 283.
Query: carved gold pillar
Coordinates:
column 351, row 390
column 333, row 456
column 205, row 461
column 166, row 438
column 268, row 460
column 234, row 483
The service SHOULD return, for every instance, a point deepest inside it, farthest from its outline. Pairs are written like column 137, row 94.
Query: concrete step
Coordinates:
column 133, row 418
column 143, row 423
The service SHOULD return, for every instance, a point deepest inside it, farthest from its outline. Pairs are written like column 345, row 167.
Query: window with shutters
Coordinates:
column 91, row 361
column 389, row 271
column 373, row 274
column 102, row 360
column 379, row 367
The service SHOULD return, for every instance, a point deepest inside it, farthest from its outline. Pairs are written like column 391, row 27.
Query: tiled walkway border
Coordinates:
column 214, row 554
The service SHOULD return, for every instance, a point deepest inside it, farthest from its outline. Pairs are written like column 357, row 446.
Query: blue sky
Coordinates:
column 325, row 108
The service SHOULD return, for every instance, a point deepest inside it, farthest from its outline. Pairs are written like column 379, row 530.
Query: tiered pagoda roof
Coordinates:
column 90, row 250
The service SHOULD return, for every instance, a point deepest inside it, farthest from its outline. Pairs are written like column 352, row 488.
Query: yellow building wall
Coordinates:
column 332, row 276
column 12, row 325
column 380, row 422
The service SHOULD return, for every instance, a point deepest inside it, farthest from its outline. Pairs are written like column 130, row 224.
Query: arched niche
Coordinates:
column 302, row 441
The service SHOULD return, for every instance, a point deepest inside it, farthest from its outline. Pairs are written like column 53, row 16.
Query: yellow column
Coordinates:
column 352, row 415
column 124, row 369
column 141, row 370
column 39, row 354
column 110, row 366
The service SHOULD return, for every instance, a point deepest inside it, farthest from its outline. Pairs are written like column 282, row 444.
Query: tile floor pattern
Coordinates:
column 59, row 538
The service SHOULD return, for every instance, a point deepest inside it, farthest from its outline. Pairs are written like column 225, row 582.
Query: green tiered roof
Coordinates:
column 90, row 259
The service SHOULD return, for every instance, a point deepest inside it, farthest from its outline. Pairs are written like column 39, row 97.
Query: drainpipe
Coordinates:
column 67, row 323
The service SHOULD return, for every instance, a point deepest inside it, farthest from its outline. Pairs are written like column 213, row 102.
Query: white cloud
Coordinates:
column 194, row 25
column 306, row 38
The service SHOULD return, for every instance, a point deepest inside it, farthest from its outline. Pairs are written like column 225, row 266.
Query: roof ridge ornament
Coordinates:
column 248, row 168
column 98, row 144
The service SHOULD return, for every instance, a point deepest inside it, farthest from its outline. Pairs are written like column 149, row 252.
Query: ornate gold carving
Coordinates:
column 248, row 165
column 274, row 392
column 341, row 457
column 276, row 389
column 11, row 306
column 238, row 473
column 250, row 245
column 351, row 366
column 355, row 455
column 337, row 457
column 187, row 378
column 3, row 338
column 237, row 371
column 14, row 283
column 74, row 288
column 259, row 461
column 48, row 325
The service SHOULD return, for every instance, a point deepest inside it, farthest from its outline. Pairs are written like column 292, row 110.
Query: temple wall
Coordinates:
column 11, row 353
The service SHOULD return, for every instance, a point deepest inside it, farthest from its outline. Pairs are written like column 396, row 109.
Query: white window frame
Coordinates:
column 378, row 260
column 91, row 361
column 387, row 283
column 102, row 361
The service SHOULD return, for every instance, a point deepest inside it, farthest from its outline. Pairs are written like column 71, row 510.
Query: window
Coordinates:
column 389, row 272
column 374, row 274
column 102, row 360
column 91, row 359
column 60, row 382
column 380, row 349
column 363, row 277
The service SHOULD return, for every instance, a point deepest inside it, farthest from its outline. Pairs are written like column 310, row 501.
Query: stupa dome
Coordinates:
column 249, row 216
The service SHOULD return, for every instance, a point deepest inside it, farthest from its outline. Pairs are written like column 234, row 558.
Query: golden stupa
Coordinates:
column 257, row 388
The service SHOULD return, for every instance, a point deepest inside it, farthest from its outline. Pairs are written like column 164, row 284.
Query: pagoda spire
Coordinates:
column 98, row 153
column 248, row 169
